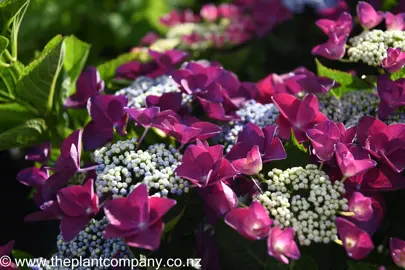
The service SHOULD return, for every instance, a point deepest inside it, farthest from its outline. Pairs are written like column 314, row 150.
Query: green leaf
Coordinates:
column 76, row 56
column 3, row 44
column 107, row 69
column 9, row 78
column 8, row 10
column 347, row 81
column 29, row 133
column 19, row 254
column 361, row 266
column 38, row 83
column 173, row 222
column 398, row 75
column 13, row 114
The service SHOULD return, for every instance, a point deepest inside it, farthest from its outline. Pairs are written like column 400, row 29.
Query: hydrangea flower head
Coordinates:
column 397, row 249
column 253, row 222
column 297, row 115
column 281, row 245
column 368, row 16
column 89, row 84
column 137, row 218
column 357, row 243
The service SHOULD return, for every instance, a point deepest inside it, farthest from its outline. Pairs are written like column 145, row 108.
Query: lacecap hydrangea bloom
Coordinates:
column 122, row 167
column 306, row 200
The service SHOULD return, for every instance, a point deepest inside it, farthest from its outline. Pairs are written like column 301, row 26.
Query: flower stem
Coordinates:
column 347, row 214
column 142, row 137
column 320, row 166
column 261, row 177
column 343, row 179
column 82, row 170
column 339, row 242
column 180, row 147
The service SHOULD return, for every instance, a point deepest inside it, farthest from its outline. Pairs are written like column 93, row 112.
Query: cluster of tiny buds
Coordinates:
column 305, row 199
column 251, row 112
column 371, row 47
column 122, row 168
column 90, row 243
column 145, row 86
column 350, row 108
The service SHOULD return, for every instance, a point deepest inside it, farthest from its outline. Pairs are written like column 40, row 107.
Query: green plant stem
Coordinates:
column 261, row 177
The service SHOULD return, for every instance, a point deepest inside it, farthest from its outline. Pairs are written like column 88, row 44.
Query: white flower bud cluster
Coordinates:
column 370, row 47
column 262, row 115
column 145, row 86
column 90, row 243
column 121, row 168
column 350, row 108
column 306, row 200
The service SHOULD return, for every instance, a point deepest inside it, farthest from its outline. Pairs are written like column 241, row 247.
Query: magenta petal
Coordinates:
column 32, row 176
column 158, row 207
column 7, row 248
column 368, row 17
column 395, row 22
column 397, row 250
column 95, row 136
column 221, row 198
column 234, row 219
column 358, row 243
column 116, row 212
column 138, row 201
column 70, row 226
column 281, row 245
column 147, row 239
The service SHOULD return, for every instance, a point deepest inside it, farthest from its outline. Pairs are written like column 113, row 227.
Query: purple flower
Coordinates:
column 392, row 95
column 137, row 218
column 168, row 60
column 281, row 245
column 66, row 166
column 314, row 84
column 228, row 10
column 89, row 84
column 395, row 22
column 216, row 110
column 341, row 27
column 346, row 135
column 135, row 69
column 334, row 48
column 5, row 251
column 270, row 147
column 253, row 222
column 149, row 38
column 75, row 206
column 144, row 117
column 385, row 143
column 79, row 204
column 36, row 178
column 187, row 129
column 209, row 12
column 357, row 243
column 324, row 137
column 39, row 152
column 168, row 101
column 352, row 160
column 220, row 198
column 273, row 84
column 107, row 113
column 368, row 16
column 361, row 206
column 394, row 61
column 196, row 79
column 397, row 249
column 296, row 115
column 250, row 165
column 204, row 165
